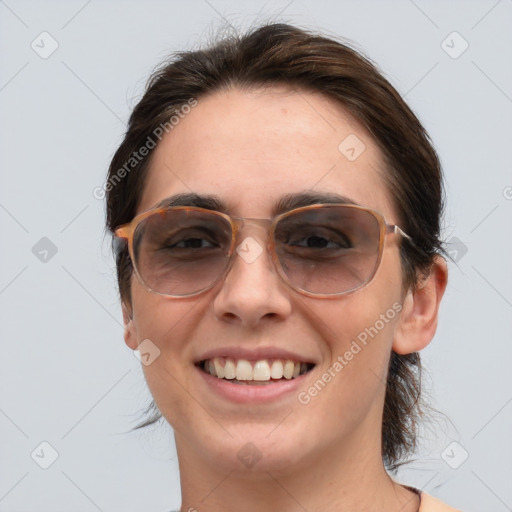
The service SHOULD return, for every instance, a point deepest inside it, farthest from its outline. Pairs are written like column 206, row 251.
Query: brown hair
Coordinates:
column 283, row 54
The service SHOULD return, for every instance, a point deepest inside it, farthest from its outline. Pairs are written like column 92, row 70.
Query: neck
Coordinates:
column 340, row 480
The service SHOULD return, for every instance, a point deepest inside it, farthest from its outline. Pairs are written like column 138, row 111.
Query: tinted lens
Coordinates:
column 328, row 250
column 181, row 252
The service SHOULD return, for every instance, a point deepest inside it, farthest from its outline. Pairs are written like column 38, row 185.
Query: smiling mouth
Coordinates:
column 261, row 372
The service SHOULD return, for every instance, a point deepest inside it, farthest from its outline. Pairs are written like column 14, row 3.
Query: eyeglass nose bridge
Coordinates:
column 241, row 223
column 251, row 250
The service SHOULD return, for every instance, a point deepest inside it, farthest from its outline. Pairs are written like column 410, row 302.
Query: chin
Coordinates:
column 254, row 449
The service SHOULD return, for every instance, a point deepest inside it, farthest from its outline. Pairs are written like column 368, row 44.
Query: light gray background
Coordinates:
column 66, row 376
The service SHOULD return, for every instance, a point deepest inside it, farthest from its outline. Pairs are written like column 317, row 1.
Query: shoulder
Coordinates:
column 431, row 504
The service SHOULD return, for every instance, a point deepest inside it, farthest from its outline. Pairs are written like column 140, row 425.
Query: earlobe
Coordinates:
column 130, row 331
column 418, row 319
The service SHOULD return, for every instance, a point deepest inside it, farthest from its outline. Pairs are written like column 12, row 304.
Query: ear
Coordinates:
column 130, row 331
column 418, row 319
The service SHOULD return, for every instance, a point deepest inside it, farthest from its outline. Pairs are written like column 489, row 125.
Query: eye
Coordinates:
column 319, row 238
column 317, row 242
column 190, row 239
column 191, row 243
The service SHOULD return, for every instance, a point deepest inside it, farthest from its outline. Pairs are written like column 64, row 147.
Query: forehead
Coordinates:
column 251, row 148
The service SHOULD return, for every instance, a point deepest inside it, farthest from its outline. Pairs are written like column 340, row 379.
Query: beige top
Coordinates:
column 431, row 504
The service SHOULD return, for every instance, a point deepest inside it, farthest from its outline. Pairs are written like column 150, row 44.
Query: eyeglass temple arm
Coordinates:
column 120, row 239
column 397, row 229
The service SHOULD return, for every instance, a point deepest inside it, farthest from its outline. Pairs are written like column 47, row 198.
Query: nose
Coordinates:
column 252, row 291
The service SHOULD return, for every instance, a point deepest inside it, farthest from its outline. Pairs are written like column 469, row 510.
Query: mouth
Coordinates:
column 260, row 372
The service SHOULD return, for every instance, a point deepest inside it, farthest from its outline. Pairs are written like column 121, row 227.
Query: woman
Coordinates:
column 276, row 210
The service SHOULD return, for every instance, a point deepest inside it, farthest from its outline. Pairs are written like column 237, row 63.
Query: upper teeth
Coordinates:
column 262, row 370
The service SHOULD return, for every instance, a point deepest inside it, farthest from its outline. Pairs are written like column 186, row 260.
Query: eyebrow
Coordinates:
column 286, row 203
column 291, row 201
column 209, row 202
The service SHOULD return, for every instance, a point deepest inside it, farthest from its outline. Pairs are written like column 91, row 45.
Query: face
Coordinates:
column 249, row 149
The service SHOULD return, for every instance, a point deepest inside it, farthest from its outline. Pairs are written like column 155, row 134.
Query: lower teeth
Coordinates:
column 253, row 382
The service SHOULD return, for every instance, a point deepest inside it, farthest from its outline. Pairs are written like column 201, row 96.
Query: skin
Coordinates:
column 250, row 149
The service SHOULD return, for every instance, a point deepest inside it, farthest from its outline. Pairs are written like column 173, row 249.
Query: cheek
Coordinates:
column 359, row 325
column 164, row 327
column 358, row 331
column 166, row 322
column 349, row 390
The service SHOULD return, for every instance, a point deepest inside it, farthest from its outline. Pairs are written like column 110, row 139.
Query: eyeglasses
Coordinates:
column 321, row 250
